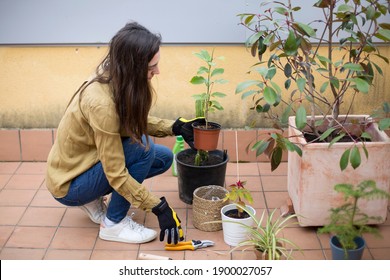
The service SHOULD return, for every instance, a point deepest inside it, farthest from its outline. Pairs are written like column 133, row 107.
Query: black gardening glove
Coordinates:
column 183, row 127
column 169, row 222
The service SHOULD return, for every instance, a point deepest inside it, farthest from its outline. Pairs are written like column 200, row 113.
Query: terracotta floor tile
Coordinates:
column 5, row 233
column 75, row 217
column 25, row 182
column 380, row 253
column 31, row 237
column 10, row 215
column 32, row 168
column 243, row 255
column 42, row 216
column 16, row 197
column 67, row 233
column 4, row 178
column 68, row 254
column 8, row 167
column 379, row 242
column 22, row 254
column 305, row 238
column 75, row 238
column 308, row 255
column 274, row 183
column 275, row 199
column 113, row 255
column 165, row 184
column 45, row 199
column 265, row 169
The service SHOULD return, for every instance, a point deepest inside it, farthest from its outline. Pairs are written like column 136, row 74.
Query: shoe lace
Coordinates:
column 134, row 225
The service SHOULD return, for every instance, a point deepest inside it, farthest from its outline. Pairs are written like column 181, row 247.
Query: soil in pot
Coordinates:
column 213, row 159
column 233, row 213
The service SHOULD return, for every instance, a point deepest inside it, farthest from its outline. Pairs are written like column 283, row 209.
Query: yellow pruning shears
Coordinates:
column 189, row 245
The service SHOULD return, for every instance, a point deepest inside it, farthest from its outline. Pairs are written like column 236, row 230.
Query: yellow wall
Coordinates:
column 36, row 83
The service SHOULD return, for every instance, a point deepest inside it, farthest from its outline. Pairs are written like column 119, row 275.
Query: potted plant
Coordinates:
column 267, row 237
column 206, row 165
column 310, row 76
column 236, row 216
column 206, row 134
column 348, row 223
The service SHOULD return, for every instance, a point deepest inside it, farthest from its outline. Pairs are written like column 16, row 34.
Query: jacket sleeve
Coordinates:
column 159, row 127
column 105, row 124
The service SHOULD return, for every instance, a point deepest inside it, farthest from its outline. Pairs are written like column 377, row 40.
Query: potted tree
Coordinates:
column 206, row 165
column 348, row 223
column 267, row 237
column 236, row 216
column 206, row 134
column 326, row 65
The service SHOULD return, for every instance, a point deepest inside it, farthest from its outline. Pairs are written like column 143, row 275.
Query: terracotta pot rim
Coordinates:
column 215, row 126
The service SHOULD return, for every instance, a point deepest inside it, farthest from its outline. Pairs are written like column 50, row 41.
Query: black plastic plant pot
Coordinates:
column 190, row 176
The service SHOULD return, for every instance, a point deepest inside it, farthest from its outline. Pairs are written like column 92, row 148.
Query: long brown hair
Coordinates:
column 125, row 69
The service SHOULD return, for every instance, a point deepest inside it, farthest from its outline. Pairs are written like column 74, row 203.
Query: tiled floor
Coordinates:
column 34, row 226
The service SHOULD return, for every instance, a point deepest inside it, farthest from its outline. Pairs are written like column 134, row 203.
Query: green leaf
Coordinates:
column 276, row 158
column 304, row 29
column 301, row 83
column 221, row 81
column 270, row 73
column 291, row 46
column 384, row 124
column 327, row 133
column 202, row 70
column 287, row 70
column 248, row 93
column 336, row 139
column 287, row 84
column 345, row 8
column 217, row 71
column 370, row 12
column 383, row 34
column 301, row 118
column 353, row 67
column 260, row 147
column 218, row 94
column 244, row 85
column 285, row 115
column 324, row 87
column 361, row 85
column 344, row 159
column 276, row 87
column 270, row 95
column 335, row 82
column 197, row 80
column 355, row 158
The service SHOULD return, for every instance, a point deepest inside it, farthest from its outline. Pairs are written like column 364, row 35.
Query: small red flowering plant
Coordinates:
column 239, row 194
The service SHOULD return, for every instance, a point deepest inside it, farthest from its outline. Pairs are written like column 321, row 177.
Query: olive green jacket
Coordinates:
column 89, row 132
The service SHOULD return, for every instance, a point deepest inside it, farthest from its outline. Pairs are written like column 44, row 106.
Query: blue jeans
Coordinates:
column 141, row 164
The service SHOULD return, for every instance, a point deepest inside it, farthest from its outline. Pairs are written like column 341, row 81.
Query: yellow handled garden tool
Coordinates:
column 189, row 245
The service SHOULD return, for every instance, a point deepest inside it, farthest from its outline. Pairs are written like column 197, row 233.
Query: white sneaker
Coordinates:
column 127, row 231
column 96, row 210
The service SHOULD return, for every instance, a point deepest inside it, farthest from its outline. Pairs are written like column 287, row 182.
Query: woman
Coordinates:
column 102, row 145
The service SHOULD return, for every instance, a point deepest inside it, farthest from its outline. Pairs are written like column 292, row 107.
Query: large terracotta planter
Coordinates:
column 312, row 177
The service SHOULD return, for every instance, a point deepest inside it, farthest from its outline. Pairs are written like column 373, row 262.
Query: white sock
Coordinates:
column 108, row 222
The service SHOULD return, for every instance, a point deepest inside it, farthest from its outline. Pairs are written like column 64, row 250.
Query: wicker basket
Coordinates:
column 206, row 207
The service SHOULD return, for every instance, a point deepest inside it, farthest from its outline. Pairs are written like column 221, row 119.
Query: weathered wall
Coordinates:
column 36, row 83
